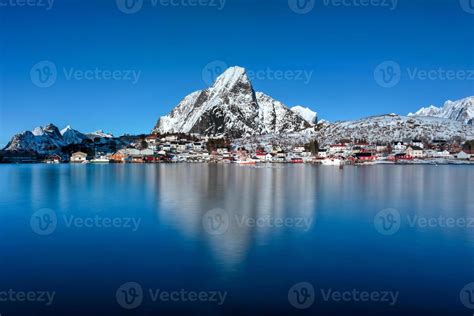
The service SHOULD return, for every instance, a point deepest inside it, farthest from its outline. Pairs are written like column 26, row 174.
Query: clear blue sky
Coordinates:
column 170, row 46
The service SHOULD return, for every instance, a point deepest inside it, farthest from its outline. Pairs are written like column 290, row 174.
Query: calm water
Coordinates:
column 82, row 231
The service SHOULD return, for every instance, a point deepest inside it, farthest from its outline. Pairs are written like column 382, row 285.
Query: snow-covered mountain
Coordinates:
column 461, row 111
column 100, row 134
column 232, row 108
column 392, row 127
column 71, row 136
column 48, row 139
column 309, row 115
column 41, row 140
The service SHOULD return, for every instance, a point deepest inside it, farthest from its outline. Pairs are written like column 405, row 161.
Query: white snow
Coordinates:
column 461, row 110
column 306, row 113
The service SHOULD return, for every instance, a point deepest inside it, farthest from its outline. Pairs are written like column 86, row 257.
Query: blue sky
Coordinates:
column 329, row 56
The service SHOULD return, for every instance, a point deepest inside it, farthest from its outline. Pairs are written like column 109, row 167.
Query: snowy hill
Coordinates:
column 391, row 127
column 461, row 111
column 71, row 136
column 232, row 108
column 309, row 115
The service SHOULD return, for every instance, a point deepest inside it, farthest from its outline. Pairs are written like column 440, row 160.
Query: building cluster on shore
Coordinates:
column 195, row 148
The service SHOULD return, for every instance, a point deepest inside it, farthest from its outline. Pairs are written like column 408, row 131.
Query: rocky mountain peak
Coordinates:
column 230, row 107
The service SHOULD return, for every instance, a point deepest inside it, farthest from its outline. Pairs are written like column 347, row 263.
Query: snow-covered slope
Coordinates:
column 41, row 140
column 100, row 134
column 309, row 115
column 461, row 111
column 48, row 139
column 71, row 136
column 388, row 128
column 231, row 108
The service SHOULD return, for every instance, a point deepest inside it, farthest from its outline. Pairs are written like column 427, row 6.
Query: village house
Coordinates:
column 463, row 155
column 418, row 143
column 298, row 149
column 152, row 141
column 415, row 152
column 55, row 158
column 322, row 153
column 337, row 149
column 78, row 157
column 380, row 148
column 399, row 147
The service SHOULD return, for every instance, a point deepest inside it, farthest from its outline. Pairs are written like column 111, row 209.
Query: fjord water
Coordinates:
column 160, row 238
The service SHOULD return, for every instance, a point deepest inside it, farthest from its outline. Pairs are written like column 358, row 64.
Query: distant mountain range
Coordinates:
column 461, row 111
column 49, row 139
column 231, row 108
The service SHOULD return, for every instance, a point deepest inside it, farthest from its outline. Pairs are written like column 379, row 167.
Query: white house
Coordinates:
column 398, row 147
column 78, row 157
column 322, row 153
column 463, row 155
column 415, row 152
